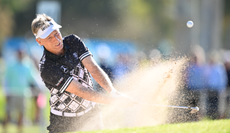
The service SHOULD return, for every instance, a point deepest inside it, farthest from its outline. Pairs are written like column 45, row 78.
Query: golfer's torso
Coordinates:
column 68, row 65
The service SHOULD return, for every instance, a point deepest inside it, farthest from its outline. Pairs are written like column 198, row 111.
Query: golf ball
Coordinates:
column 190, row 24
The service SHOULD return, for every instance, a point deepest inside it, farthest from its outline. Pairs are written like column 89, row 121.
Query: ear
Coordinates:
column 39, row 41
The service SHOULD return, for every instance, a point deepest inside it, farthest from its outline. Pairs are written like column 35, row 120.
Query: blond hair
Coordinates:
column 39, row 22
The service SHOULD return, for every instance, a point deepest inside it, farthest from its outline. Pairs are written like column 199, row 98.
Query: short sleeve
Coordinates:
column 80, row 47
column 56, row 79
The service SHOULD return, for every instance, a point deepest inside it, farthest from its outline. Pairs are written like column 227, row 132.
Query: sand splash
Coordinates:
column 156, row 84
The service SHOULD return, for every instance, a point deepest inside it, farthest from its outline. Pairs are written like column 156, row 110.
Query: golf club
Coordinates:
column 193, row 109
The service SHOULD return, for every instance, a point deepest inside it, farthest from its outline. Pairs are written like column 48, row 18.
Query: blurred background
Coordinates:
column 121, row 35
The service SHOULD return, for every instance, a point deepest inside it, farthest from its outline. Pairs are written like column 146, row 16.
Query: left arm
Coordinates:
column 98, row 74
column 103, row 80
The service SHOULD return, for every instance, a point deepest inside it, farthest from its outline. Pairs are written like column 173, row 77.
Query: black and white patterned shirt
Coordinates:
column 57, row 73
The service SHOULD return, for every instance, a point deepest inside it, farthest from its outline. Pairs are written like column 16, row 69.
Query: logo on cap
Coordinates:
column 44, row 27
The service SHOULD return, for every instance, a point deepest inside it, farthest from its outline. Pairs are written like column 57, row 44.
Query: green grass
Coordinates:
column 12, row 128
column 207, row 126
column 2, row 104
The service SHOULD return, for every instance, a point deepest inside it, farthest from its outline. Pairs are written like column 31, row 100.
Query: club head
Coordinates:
column 194, row 109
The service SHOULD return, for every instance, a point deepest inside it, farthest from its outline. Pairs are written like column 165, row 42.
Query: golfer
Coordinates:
column 65, row 68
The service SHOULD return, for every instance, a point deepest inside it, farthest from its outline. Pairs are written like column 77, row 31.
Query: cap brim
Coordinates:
column 49, row 30
column 45, row 31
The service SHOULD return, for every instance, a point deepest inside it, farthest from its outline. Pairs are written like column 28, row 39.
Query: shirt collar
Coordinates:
column 54, row 56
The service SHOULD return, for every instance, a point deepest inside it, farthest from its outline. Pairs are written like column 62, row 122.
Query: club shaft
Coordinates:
column 172, row 106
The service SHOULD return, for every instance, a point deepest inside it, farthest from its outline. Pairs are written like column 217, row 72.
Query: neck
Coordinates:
column 61, row 52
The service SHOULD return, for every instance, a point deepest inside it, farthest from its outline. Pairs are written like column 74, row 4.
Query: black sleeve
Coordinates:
column 80, row 48
column 54, row 78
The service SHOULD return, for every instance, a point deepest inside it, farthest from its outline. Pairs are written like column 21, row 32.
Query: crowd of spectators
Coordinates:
column 207, row 82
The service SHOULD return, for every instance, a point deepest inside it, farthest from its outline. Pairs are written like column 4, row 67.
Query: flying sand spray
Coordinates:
column 158, row 83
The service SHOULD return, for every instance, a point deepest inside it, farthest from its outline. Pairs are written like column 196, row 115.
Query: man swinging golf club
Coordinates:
column 65, row 68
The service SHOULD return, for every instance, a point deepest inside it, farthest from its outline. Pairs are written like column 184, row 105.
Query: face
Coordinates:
column 53, row 43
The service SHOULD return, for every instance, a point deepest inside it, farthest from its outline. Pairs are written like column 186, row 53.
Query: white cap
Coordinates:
column 45, row 31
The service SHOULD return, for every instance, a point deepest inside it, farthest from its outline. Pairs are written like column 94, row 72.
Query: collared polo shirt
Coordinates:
column 57, row 73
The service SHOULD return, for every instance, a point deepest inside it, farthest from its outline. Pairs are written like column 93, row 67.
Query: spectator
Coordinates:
column 35, row 89
column 17, row 87
column 216, row 83
column 227, row 68
column 196, row 79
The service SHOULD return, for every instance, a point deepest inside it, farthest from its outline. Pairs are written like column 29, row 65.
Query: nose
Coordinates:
column 57, row 38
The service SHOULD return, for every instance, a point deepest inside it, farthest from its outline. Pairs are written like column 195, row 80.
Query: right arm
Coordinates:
column 86, row 93
column 62, row 83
